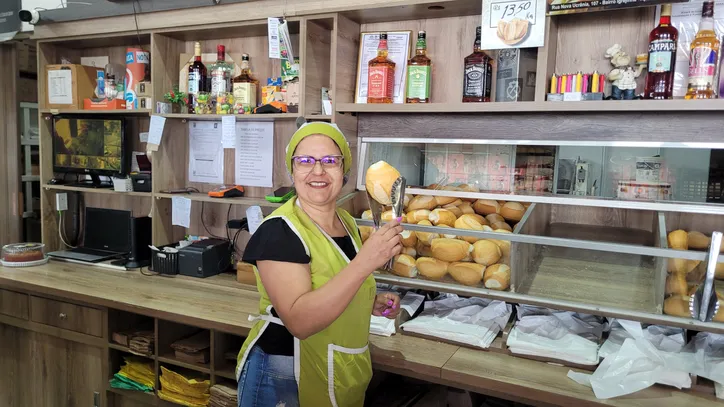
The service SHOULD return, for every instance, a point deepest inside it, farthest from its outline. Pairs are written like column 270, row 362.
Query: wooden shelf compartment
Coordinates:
column 119, row 112
column 170, row 332
column 204, row 197
column 624, row 281
column 147, row 399
column 224, row 346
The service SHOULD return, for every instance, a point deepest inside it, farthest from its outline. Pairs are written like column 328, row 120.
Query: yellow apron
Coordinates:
column 332, row 367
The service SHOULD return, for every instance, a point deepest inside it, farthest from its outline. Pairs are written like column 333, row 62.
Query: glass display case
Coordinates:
column 618, row 229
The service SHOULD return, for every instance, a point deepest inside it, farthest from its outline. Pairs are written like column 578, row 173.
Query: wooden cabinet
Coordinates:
column 77, row 318
column 14, row 304
column 44, row 371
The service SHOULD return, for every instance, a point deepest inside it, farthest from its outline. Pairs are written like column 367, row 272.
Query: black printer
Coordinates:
column 205, row 258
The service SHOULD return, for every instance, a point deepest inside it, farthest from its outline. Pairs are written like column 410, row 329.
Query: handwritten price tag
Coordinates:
column 508, row 10
column 513, row 24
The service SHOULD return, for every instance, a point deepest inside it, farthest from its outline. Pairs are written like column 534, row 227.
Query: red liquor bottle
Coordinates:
column 662, row 57
column 381, row 75
column 197, row 77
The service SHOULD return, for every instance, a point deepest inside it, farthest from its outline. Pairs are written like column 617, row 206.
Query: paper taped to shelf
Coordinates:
column 472, row 321
column 638, row 364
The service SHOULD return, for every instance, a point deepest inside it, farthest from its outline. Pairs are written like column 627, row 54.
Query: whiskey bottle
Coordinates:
column 478, row 75
column 220, row 73
column 245, row 86
column 703, row 57
column 381, row 75
column 419, row 73
column 662, row 57
column 197, row 77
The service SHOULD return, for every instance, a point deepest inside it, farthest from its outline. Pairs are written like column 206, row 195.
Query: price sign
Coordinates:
column 513, row 24
column 506, row 11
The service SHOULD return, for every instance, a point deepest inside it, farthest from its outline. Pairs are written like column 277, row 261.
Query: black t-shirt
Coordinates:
column 275, row 240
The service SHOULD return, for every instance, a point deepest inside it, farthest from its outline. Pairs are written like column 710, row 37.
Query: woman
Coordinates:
column 309, row 346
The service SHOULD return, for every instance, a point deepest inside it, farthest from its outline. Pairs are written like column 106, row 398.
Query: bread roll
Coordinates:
column 697, row 240
column 431, row 268
column 512, row 211
column 486, row 252
column 468, row 188
column 467, row 208
column 501, row 225
column 504, row 245
column 447, row 235
column 497, row 277
column 365, row 232
column 676, row 284
column 410, row 251
column 677, row 305
column 425, row 237
column 404, row 266
column 486, row 206
column 466, row 273
column 450, row 249
column 719, row 271
column 494, row 218
column 367, row 215
column 406, row 200
column 418, row 215
column 678, row 239
column 423, row 250
column 444, row 200
column 379, row 179
column 442, row 217
column 432, row 186
column 682, row 266
column 454, row 209
column 422, row 202
column 470, row 223
column 386, row 216
column 409, row 239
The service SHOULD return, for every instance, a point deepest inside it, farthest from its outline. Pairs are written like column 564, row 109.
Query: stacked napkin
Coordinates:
column 181, row 390
column 223, row 396
column 194, row 348
column 135, row 374
column 141, row 343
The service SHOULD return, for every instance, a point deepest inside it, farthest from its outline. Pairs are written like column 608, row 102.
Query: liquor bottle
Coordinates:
column 220, row 73
column 419, row 73
column 197, row 77
column 662, row 57
column 245, row 86
column 478, row 76
column 703, row 57
column 381, row 75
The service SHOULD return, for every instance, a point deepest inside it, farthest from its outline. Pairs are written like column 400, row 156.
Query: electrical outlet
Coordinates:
column 61, row 201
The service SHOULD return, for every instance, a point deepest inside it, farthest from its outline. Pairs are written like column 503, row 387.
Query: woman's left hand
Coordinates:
column 386, row 305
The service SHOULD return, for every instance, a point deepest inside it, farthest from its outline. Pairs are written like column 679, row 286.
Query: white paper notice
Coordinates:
column 228, row 131
column 181, row 211
column 206, row 154
column 254, row 156
column 155, row 130
column 143, row 136
column 273, row 34
column 60, row 87
column 398, row 45
column 499, row 13
column 254, row 217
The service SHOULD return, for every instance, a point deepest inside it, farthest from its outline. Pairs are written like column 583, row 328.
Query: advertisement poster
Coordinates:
column 513, row 24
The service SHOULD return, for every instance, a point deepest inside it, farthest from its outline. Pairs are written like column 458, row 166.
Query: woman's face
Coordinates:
column 319, row 184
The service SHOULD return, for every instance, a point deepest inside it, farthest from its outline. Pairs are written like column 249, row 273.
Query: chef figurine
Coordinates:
column 623, row 76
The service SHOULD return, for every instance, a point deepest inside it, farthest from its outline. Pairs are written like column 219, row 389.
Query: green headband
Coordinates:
column 326, row 129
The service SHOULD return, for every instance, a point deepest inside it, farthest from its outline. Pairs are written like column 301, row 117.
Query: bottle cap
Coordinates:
column 220, row 48
column 244, row 57
column 383, row 36
column 707, row 9
column 421, row 34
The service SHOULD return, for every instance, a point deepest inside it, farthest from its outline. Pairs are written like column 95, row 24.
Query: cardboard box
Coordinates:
column 27, row 57
column 104, row 104
column 68, row 85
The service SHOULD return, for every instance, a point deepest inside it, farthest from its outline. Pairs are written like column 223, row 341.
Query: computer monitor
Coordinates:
column 92, row 145
column 107, row 229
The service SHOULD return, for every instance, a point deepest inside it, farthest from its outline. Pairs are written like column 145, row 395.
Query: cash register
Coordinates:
column 205, row 258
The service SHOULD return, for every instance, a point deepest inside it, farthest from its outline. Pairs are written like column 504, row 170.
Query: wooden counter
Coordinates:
column 220, row 303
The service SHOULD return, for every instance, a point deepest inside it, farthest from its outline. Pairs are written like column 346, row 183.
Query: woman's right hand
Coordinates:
column 381, row 246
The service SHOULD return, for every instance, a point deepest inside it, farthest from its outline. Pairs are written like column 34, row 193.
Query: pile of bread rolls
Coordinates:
column 684, row 275
column 468, row 260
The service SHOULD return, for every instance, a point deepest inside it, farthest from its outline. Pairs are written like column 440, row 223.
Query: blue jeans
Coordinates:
column 267, row 381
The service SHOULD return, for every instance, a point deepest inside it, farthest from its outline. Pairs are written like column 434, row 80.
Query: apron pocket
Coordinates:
column 349, row 373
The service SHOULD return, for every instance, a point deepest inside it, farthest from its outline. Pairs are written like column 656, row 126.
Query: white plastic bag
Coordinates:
column 707, row 353
column 472, row 321
column 664, row 338
column 384, row 326
column 638, row 364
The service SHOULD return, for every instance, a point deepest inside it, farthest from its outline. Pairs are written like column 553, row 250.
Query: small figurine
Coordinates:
column 622, row 76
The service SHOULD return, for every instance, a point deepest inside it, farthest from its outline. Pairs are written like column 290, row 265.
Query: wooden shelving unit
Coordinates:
column 217, row 117
column 101, row 191
column 121, row 112
column 199, row 197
